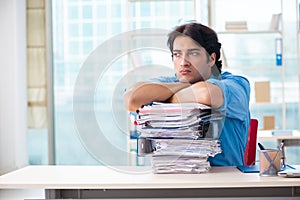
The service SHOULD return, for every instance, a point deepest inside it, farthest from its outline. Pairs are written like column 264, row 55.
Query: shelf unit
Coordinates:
column 240, row 56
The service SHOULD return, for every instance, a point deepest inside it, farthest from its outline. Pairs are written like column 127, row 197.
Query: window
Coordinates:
column 77, row 41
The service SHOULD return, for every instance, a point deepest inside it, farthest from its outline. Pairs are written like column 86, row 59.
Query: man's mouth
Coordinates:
column 184, row 71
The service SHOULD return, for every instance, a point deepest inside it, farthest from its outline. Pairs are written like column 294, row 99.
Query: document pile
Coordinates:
column 180, row 137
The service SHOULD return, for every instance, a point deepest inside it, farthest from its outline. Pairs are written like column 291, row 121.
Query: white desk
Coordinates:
column 102, row 182
column 266, row 135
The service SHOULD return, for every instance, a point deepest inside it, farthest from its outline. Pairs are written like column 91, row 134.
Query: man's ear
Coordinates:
column 212, row 59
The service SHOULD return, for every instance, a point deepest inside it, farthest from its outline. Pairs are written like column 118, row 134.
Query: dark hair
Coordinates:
column 203, row 35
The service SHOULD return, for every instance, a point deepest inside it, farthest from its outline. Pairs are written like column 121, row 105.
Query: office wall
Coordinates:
column 13, row 97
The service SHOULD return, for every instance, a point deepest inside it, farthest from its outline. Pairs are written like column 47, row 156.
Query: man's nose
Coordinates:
column 184, row 61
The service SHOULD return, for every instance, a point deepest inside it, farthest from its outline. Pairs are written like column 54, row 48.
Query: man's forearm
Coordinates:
column 145, row 92
column 200, row 92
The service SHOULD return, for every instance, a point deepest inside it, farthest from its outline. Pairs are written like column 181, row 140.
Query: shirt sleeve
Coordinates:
column 165, row 79
column 236, row 92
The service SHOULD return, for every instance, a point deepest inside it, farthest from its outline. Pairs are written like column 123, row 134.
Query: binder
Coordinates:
column 249, row 169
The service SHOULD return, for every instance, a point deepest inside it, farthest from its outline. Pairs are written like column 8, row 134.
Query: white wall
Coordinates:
column 13, row 96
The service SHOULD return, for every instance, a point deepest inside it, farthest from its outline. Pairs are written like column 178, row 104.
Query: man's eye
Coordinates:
column 193, row 53
column 176, row 54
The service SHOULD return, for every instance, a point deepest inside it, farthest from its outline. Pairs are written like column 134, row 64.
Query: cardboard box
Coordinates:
column 269, row 122
column 262, row 92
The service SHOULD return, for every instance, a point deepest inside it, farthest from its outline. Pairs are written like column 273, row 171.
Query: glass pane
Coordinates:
column 87, row 12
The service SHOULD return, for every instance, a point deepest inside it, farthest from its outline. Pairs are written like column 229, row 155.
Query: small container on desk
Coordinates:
column 270, row 163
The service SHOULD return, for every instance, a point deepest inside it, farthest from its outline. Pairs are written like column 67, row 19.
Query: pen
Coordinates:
column 261, row 147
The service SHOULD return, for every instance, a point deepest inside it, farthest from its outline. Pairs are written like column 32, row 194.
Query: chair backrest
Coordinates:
column 250, row 151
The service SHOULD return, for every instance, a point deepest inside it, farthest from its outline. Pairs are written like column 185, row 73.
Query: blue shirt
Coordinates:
column 234, row 133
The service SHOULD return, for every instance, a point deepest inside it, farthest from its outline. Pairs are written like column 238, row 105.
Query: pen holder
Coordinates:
column 269, row 162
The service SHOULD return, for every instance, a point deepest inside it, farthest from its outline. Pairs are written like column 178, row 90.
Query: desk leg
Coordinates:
column 53, row 194
column 287, row 143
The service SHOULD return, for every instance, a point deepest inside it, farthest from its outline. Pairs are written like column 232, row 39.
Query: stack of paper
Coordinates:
column 185, row 120
column 182, row 136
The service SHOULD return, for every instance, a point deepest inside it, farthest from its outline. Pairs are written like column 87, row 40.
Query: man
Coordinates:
column 196, row 56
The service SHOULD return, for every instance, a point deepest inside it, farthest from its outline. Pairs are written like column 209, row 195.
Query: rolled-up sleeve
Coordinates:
column 236, row 93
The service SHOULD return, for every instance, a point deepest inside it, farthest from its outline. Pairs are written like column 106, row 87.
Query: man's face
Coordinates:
column 191, row 61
